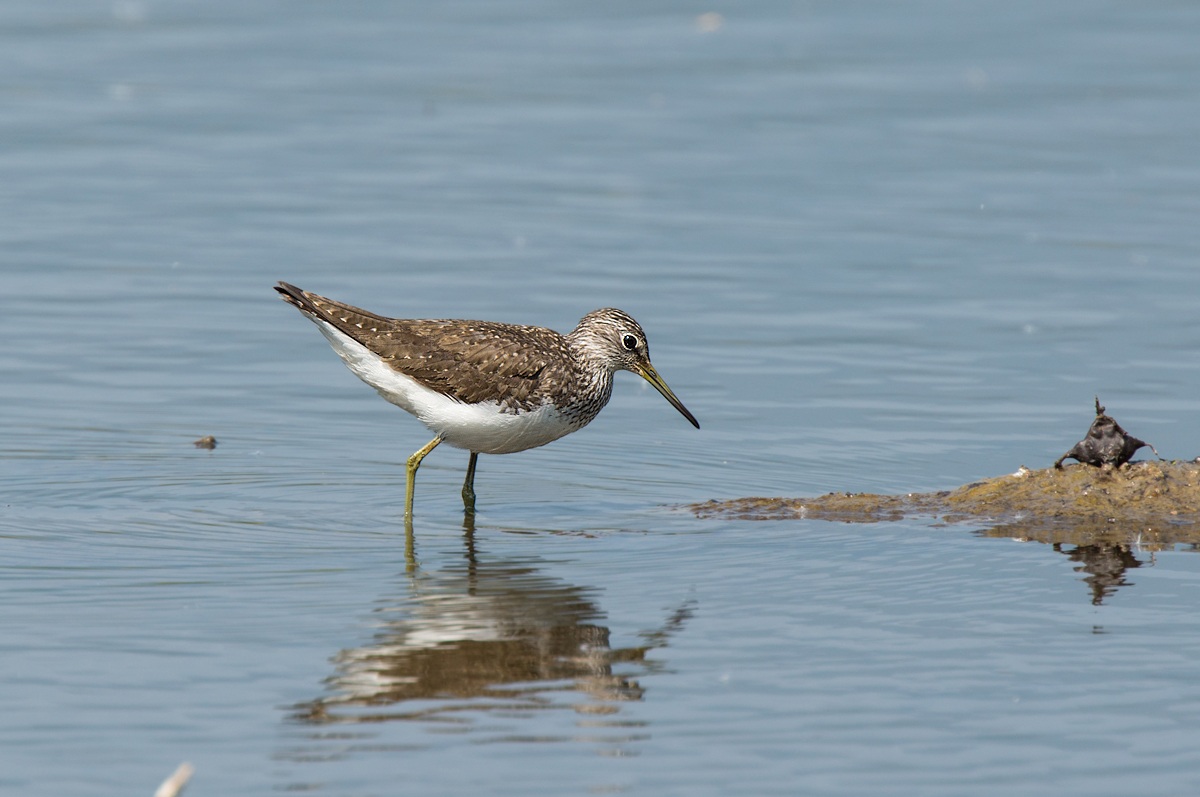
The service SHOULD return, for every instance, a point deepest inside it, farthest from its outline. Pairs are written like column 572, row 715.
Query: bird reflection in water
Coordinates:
column 492, row 636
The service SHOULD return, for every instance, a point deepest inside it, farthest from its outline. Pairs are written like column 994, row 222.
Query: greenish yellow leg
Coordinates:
column 469, row 485
column 414, row 462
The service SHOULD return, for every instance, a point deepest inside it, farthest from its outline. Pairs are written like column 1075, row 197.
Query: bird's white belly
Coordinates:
column 482, row 428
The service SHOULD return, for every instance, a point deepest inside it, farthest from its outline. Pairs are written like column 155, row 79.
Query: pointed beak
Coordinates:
column 647, row 372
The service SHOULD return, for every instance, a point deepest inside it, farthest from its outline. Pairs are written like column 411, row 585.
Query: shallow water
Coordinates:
column 875, row 248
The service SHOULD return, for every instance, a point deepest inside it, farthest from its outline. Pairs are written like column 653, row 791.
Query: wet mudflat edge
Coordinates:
column 1145, row 502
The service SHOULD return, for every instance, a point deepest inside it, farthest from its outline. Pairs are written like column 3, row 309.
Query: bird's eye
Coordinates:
column 630, row 342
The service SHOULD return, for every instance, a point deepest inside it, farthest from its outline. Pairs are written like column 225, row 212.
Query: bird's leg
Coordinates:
column 468, row 492
column 414, row 462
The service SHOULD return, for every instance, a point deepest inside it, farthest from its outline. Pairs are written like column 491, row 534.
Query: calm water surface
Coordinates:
column 875, row 248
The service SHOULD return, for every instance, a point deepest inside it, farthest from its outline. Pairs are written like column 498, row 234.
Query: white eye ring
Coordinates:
column 629, row 341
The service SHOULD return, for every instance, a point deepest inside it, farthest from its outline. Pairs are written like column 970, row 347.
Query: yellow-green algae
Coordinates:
column 1152, row 503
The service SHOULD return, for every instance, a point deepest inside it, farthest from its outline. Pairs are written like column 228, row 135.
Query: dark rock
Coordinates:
column 1106, row 443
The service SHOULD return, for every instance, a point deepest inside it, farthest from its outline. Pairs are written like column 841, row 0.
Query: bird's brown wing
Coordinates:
column 471, row 361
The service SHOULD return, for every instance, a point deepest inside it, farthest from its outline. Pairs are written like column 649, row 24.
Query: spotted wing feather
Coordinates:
column 471, row 361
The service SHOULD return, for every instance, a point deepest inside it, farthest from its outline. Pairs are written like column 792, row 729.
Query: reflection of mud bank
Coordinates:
column 1150, row 502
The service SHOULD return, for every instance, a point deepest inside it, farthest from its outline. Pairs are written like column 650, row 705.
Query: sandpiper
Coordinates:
column 486, row 387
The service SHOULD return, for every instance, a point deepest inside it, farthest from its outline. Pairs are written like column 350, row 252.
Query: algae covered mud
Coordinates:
column 1099, row 517
column 1104, row 500
column 1151, row 503
column 1099, row 513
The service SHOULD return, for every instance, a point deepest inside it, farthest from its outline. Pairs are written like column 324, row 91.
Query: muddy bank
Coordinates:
column 1152, row 503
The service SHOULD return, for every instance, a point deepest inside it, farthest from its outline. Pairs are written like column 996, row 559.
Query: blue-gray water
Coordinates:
column 876, row 246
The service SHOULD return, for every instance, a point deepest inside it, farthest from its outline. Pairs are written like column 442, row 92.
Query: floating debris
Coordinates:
column 174, row 784
column 208, row 441
column 1106, row 443
column 710, row 22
